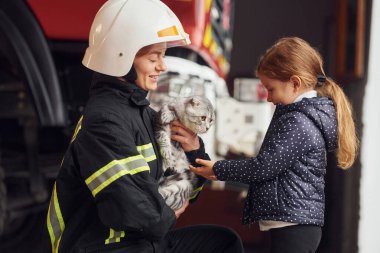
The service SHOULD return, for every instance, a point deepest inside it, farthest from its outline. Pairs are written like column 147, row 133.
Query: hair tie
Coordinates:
column 321, row 80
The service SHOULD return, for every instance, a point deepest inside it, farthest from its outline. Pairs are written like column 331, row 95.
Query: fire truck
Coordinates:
column 44, row 88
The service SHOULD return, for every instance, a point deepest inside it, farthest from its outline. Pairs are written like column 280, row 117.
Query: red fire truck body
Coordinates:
column 71, row 20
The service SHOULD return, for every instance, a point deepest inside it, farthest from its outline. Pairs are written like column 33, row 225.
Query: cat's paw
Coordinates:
column 166, row 154
column 167, row 116
column 169, row 171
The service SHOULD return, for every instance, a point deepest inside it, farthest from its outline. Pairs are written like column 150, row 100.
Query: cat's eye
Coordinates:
column 203, row 118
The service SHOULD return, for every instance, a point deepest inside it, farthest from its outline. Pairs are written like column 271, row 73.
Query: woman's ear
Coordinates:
column 296, row 81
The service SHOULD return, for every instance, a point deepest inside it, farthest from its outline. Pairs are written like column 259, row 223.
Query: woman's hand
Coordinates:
column 206, row 170
column 187, row 138
column 182, row 209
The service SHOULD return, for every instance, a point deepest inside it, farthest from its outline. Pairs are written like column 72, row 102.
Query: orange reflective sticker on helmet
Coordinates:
column 170, row 31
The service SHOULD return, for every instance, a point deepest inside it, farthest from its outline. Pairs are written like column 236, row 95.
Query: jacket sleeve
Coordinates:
column 281, row 148
column 117, row 173
column 191, row 156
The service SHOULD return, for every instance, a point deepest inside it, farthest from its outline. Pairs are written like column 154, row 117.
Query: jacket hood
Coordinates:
column 321, row 111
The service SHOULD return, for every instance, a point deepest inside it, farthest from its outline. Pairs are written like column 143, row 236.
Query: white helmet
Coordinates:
column 122, row 27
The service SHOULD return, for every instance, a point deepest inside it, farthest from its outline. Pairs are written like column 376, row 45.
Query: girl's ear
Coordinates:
column 296, row 81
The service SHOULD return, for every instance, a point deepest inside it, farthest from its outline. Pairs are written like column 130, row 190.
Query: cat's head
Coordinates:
column 198, row 114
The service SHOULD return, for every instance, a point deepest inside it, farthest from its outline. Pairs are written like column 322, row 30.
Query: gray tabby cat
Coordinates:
column 197, row 114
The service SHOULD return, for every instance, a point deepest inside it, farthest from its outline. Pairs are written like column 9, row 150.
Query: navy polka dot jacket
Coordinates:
column 286, row 178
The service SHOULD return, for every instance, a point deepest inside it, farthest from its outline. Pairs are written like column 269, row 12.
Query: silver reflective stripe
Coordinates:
column 114, row 170
column 55, row 222
column 114, row 236
column 147, row 152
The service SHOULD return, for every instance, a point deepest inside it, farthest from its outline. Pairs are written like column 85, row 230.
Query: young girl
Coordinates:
column 286, row 178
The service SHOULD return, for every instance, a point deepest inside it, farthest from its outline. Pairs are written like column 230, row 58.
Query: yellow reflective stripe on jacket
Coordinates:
column 195, row 192
column 77, row 129
column 147, row 152
column 114, row 170
column 55, row 222
column 114, row 236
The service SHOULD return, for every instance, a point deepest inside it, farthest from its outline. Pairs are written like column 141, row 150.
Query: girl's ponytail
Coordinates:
column 347, row 139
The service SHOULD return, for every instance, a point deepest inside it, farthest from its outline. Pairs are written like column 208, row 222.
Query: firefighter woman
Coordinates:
column 105, row 198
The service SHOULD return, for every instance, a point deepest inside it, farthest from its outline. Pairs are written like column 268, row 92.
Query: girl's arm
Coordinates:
column 286, row 143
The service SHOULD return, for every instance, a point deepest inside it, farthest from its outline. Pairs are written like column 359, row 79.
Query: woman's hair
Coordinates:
column 294, row 56
column 131, row 76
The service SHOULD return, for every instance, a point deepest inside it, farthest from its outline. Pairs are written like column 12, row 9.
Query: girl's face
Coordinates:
column 149, row 63
column 279, row 92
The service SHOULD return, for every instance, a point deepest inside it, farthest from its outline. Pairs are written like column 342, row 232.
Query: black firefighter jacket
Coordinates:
column 106, row 193
column 286, row 178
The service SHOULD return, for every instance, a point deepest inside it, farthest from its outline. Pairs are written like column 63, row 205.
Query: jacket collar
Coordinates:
column 135, row 94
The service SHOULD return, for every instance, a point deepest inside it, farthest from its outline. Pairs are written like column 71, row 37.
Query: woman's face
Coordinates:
column 279, row 92
column 149, row 63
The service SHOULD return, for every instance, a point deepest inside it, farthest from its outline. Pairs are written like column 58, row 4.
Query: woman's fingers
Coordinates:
column 182, row 209
column 178, row 127
column 188, row 140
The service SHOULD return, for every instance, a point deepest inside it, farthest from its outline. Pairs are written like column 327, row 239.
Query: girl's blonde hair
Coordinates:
column 294, row 56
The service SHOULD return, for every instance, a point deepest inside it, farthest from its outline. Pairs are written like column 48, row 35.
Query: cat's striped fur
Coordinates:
column 197, row 114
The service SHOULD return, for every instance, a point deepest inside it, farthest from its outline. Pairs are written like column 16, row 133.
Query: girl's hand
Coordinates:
column 206, row 170
column 187, row 138
column 181, row 210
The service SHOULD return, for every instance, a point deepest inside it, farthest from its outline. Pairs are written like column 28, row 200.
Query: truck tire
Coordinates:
column 3, row 200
